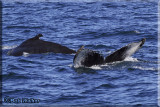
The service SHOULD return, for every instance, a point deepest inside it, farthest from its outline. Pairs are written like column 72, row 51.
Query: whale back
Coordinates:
column 124, row 52
column 36, row 46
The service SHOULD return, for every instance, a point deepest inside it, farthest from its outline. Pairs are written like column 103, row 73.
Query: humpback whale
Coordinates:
column 36, row 46
column 88, row 58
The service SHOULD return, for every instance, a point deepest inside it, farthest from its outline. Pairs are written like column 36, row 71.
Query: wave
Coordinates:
column 8, row 47
column 131, row 59
column 144, row 68
column 35, row 1
column 23, row 27
column 12, row 75
column 112, row 64
column 107, row 85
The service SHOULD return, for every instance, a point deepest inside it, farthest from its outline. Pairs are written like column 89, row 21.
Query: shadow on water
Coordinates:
column 82, row 70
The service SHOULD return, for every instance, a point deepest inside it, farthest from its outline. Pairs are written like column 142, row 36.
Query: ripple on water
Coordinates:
column 49, row 85
column 19, row 92
column 101, row 26
column 14, row 67
column 14, row 76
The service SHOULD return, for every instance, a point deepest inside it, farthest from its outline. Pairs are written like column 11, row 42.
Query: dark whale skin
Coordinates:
column 88, row 58
column 121, row 54
column 36, row 46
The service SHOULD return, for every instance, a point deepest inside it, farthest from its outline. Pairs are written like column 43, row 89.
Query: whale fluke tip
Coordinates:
column 143, row 41
column 80, row 49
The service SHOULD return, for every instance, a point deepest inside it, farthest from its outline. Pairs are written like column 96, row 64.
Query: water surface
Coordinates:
column 102, row 26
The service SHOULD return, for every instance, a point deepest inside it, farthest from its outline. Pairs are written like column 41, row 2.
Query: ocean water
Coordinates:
column 104, row 26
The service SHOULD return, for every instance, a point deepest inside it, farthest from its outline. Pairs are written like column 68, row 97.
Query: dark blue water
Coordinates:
column 99, row 25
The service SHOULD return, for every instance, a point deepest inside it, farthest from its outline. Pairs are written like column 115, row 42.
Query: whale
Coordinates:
column 35, row 45
column 87, row 57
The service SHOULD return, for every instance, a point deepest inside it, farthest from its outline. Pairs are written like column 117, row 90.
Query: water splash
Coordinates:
column 131, row 59
column 96, row 67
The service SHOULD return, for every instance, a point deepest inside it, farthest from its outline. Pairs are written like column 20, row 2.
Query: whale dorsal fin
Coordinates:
column 37, row 37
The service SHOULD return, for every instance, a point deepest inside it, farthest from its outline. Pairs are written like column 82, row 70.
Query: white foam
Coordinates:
column 136, row 31
column 70, row 65
column 77, row 66
column 142, row 68
column 131, row 59
column 96, row 67
column 25, row 54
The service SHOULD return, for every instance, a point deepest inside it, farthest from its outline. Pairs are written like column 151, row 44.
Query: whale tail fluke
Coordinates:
column 87, row 58
column 125, row 51
column 78, row 51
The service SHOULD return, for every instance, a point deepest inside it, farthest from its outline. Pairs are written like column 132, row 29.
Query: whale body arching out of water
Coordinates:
column 36, row 46
column 82, row 58
column 88, row 58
